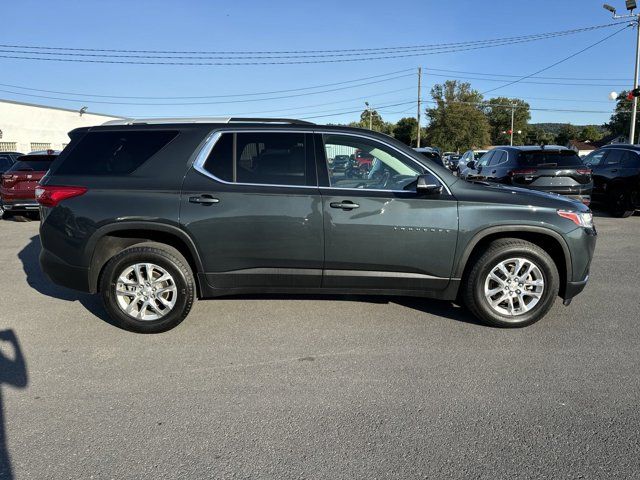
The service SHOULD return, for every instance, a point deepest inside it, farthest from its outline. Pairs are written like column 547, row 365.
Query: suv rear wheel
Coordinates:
column 620, row 204
column 513, row 283
column 148, row 288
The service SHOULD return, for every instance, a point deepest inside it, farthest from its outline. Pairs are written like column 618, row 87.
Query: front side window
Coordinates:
column 486, row 158
column 373, row 165
column 261, row 158
column 595, row 158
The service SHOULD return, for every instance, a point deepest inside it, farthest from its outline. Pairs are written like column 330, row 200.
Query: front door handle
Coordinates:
column 204, row 199
column 614, row 170
column 344, row 205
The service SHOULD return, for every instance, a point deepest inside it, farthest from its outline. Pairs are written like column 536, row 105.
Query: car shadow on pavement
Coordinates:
column 37, row 280
column 29, row 256
column 13, row 372
column 439, row 308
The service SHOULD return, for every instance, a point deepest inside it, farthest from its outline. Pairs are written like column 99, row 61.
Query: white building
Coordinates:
column 25, row 127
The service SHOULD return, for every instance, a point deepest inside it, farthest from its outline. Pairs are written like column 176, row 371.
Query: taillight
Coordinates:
column 7, row 179
column 522, row 171
column 583, row 171
column 52, row 195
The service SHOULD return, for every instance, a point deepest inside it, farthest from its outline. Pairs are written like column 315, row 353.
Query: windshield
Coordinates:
column 542, row 158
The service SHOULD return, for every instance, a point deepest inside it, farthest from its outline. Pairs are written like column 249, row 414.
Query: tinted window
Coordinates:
column 486, row 158
column 260, row 158
column 388, row 169
column 114, row 153
column 36, row 163
column 5, row 162
column 594, row 158
column 542, row 158
column 631, row 160
column 615, row 156
column 499, row 158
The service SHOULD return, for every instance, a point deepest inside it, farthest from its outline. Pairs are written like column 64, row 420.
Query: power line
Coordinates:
column 220, row 102
column 530, row 82
column 558, row 62
column 487, row 104
column 462, row 47
column 310, row 52
column 227, row 95
column 493, row 74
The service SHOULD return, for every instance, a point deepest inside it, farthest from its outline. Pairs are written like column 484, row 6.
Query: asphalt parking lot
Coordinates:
column 330, row 388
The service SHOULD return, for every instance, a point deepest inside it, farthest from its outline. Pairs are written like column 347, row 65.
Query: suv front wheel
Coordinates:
column 148, row 288
column 513, row 283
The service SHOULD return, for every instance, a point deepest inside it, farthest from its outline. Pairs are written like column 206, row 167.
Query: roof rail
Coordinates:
column 159, row 121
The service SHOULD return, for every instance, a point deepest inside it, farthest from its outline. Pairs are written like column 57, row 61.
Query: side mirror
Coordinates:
column 424, row 187
column 471, row 164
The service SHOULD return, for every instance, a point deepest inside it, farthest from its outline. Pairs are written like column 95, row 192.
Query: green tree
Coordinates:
column 498, row 111
column 567, row 132
column 377, row 123
column 457, row 121
column 535, row 135
column 406, row 130
column 590, row 133
column 621, row 117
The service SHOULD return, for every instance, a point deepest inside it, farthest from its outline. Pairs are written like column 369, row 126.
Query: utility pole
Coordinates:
column 631, row 6
column 419, row 103
column 634, row 110
column 513, row 111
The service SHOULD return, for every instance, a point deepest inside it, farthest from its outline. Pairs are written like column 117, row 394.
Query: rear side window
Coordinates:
column 264, row 158
column 631, row 160
column 33, row 163
column 5, row 162
column 542, row 158
column 113, row 153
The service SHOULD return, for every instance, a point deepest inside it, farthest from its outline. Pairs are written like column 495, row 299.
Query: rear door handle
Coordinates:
column 204, row 199
column 345, row 205
column 614, row 170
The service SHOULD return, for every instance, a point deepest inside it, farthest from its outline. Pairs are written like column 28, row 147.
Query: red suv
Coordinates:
column 17, row 190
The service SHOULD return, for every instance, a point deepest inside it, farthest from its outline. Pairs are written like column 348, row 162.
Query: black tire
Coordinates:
column 619, row 202
column 164, row 256
column 498, row 251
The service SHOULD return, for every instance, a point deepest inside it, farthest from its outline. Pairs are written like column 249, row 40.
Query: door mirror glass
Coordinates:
column 425, row 186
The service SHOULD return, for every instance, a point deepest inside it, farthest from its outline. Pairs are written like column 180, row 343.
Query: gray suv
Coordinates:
column 152, row 214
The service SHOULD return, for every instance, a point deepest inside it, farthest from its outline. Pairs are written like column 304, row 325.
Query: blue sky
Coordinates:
column 299, row 25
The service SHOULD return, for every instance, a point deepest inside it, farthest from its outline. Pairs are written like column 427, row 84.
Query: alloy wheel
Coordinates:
column 514, row 286
column 146, row 291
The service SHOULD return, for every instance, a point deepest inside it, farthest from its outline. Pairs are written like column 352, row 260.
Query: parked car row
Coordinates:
column 608, row 177
column 19, row 180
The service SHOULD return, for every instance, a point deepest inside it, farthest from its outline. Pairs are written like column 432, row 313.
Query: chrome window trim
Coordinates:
column 213, row 137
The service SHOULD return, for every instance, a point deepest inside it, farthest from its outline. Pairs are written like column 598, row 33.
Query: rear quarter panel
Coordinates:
column 149, row 194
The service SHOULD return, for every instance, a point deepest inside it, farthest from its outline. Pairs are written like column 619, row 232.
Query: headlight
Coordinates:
column 582, row 219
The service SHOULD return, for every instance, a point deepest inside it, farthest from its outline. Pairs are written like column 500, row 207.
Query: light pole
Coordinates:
column 369, row 110
column 631, row 6
column 513, row 111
